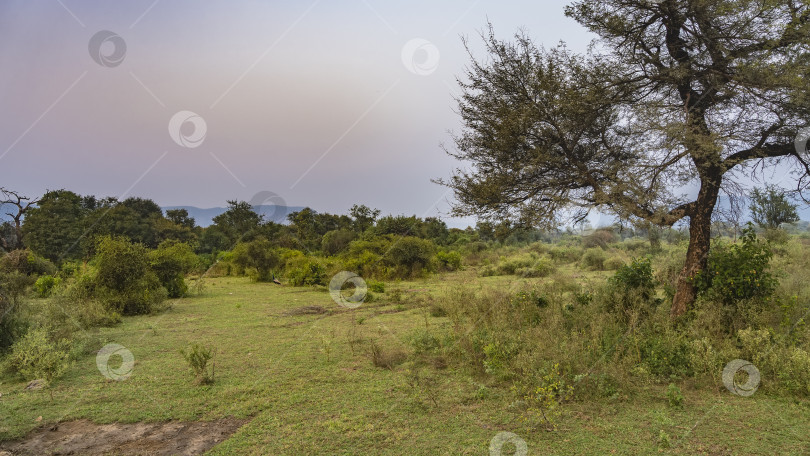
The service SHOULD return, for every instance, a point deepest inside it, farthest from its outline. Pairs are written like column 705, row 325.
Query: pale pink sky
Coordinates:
column 309, row 100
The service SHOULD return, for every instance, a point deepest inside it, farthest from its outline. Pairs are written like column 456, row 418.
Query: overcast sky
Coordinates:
column 325, row 103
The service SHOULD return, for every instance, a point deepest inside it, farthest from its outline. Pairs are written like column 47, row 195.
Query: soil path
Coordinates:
column 84, row 437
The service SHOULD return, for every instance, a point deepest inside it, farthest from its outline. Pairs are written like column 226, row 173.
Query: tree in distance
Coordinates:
column 770, row 208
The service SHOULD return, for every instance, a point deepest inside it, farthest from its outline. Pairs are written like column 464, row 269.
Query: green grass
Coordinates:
column 309, row 386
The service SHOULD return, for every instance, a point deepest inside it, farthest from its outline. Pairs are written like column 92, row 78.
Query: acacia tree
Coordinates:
column 21, row 205
column 679, row 97
column 770, row 208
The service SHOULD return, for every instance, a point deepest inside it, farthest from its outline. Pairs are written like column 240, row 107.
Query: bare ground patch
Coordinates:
column 83, row 437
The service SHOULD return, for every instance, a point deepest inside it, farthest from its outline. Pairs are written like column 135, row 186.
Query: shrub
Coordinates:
column 259, row 255
column 366, row 263
column 123, row 280
column 738, row 273
column 665, row 354
column 12, row 321
column 26, row 262
column 375, row 286
column 565, row 255
column 594, row 259
column 541, row 268
column 44, row 285
column 424, row 341
column 552, row 390
column 76, row 302
column 599, row 238
column 794, row 373
column 386, row 358
column 197, row 358
column 171, row 261
column 614, row 263
column 410, row 256
column 449, row 261
column 776, row 236
column 308, row 273
column 35, row 356
column 336, row 241
column 637, row 275
column 674, row 396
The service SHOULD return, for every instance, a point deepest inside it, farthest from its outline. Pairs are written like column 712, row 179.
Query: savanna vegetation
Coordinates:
column 579, row 340
column 540, row 328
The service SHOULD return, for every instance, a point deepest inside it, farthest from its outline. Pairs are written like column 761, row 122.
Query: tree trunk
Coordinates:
column 700, row 229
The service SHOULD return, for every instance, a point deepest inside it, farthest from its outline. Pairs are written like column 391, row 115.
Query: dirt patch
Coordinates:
column 84, row 437
column 306, row 310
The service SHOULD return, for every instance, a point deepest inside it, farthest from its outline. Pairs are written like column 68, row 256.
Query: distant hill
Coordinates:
column 205, row 217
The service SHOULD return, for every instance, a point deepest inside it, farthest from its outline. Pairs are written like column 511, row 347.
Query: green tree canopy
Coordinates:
column 770, row 208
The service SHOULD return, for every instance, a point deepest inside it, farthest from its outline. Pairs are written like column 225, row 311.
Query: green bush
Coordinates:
column 26, row 262
column 75, row 302
column 171, row 261
column 424, row 341
column 674, row 396
column 614, row 263
column 565, row 255
column 308, row 273
column 630, row 292
column 449, row 261
column 197, row 358
column 594, row 259
column 599, row 238
column 13, row 323
column 541, row 268
column 666, row 354
column 638, row 275
column 123, row 280
column 35, row 356
column 375, row 286
column 260, row 255
column 336, row 241
column 738, row 272
column 366, row 263
column 410, row 256
column 44, row 285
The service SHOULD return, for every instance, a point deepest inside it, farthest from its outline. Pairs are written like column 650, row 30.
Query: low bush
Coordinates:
column 124, row 282
column 35, row 356
column 197, row 357
column 44, row 285
column 171, row 261
column 738, row 277
column 448, row 261
column 375, row 286
column 599, row 238
column 260, row 256
column 386, row 358
column 594, row 259
column 307, row 273
column 409, row 256
column 629, row 293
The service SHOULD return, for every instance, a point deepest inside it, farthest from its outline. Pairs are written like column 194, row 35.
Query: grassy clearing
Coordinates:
column 310, row 387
